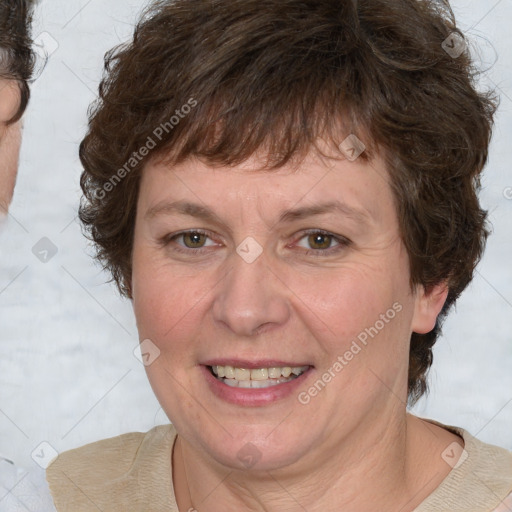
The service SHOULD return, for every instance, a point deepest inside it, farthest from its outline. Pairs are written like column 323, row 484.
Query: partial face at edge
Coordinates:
column 320, row 281
column 10, row 141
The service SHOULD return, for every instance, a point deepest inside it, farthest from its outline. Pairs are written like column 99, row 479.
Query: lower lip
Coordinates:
column 257, row 396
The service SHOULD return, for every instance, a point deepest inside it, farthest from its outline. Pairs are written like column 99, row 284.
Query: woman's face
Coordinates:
column 290, row 269
column 10, row 141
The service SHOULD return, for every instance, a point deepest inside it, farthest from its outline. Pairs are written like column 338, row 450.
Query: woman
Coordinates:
column 287, row 191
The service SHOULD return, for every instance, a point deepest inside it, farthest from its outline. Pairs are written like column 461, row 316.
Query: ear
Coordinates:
column 427, row 307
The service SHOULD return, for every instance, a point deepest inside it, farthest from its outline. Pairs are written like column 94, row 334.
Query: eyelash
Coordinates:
column 342, row 242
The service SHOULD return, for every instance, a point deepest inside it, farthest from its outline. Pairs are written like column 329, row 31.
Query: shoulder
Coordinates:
column 489, row 465
column 114, row 473
column 490, row 472
column 481, row 478
column 120, row 449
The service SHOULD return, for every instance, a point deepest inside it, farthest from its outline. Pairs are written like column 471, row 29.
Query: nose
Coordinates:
column 251, row 298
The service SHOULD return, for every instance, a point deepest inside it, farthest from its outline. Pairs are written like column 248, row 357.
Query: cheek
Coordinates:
column 167, row 306
column 361, row 321
column 345, row 301
column 10, row 97
column 10, row 141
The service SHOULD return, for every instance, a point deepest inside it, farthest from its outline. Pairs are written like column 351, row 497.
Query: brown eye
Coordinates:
column 193, row 242
column 193, row 239
column 320, row 241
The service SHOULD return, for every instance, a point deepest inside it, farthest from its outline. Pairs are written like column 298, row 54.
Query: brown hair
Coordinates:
column 16, row 56
column 277, row 75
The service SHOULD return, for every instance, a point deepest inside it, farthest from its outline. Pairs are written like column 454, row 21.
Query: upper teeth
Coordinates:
column 230, row 372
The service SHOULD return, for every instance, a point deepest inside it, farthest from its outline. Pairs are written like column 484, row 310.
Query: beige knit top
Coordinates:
column 132, row 472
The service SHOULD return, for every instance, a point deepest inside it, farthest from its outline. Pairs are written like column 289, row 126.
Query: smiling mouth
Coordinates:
column 257, row 377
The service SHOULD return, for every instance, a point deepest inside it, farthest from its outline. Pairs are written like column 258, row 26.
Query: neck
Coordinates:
column 376, row 465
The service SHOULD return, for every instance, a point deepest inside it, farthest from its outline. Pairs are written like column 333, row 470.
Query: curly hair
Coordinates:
column 278, row 75
column 16, row 55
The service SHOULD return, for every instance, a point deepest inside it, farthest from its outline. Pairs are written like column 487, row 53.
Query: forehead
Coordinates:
column 357, row 190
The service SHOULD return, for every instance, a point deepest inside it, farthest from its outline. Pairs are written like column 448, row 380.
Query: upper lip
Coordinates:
column 253, row 364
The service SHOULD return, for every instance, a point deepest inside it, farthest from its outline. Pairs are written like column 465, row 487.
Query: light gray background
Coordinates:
column 68, row 375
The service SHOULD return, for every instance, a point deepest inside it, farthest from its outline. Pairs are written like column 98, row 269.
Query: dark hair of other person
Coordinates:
column 16, row 55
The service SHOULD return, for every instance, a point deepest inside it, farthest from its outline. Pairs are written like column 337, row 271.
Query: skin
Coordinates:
column 10, row 142
column 353, row 445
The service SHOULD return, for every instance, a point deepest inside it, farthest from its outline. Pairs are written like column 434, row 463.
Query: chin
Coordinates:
column 252, row 449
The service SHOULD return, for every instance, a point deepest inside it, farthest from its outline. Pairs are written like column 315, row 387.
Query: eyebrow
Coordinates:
column 203, row 212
